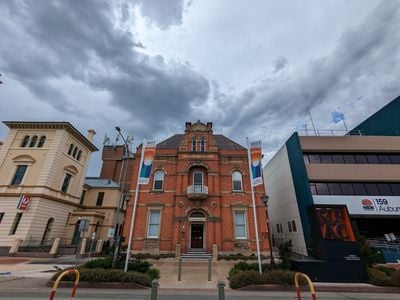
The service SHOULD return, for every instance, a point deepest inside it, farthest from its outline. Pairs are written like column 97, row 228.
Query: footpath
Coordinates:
column 35, row 272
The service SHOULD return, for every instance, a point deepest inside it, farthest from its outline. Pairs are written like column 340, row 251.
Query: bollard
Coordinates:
column 74, row 287
column 309, row 282
column 209, row 269
column 221, row 292
column 154, row 289
column 180, row 269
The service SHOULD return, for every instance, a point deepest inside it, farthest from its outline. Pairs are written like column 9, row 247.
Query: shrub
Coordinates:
column 244, row 278
column 104, row 263
column 369, row 256
column 240, row 256
column 140, row 266
column 395, row 278
column 153, row 273
column 285, row 252
column 278, row 276
column 103, row 275
column 378, row 277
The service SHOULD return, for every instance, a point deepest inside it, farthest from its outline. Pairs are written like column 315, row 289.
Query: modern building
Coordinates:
column 44, row 194
column 199, row 197
column 326, row 191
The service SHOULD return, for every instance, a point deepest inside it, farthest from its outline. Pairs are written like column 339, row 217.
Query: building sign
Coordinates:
column 363, row 205
column 334, row 223
column 24, row 202
column 255, row 162
column 147, row 164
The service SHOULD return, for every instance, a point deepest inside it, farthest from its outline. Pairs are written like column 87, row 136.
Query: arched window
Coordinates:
column 75, row 151
column 41, row 141
column 202, row 146
column 71, row 147
column 25, row 141
column 33, row 141
column 194, row 145
column 78, row 157
column 158, row 180
column 237, row 181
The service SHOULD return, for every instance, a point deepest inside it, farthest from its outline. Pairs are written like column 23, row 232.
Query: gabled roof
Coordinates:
column 222, row 142
column 96, row 182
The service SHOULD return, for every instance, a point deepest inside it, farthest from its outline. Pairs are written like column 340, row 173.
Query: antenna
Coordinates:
column 312, row 122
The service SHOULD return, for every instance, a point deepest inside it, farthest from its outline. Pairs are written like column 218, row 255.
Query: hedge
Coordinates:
column 107, row 275
column 383, row 276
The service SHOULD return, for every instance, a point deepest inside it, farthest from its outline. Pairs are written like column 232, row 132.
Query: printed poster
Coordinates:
column 147, row 164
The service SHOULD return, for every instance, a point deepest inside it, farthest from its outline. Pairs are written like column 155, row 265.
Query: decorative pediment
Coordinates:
column 71, row 169
column 24, row 159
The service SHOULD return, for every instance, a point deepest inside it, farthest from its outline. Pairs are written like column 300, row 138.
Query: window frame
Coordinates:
column 66, row 182
column 14, row 178
column 149, row 224
column 155, row 180
column 33, row 142
column 244, row 225
column 15, row 224
column 100, row 198
column 233, row 181
column 25, row 141
column 41, row 142
column 194, row 143
column 202, row 145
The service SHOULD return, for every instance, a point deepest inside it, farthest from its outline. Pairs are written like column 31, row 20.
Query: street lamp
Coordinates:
column 125, row 160
column 265, row 199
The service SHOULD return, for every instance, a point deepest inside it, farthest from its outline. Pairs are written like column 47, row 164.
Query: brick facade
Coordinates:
column 195, row 218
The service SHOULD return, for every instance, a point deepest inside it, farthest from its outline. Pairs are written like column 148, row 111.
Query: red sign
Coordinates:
column 23, row 202
column 366, row 202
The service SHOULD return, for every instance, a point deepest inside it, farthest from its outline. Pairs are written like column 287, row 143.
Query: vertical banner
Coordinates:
column 23, row 202
column 147, row 163
column 255, row 162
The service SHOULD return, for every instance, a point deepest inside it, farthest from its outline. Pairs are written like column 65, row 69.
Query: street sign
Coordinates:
column 84, row 225
column 110, row 232
column 23, row 202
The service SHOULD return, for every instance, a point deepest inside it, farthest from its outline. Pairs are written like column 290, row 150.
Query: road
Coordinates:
column 116, row 294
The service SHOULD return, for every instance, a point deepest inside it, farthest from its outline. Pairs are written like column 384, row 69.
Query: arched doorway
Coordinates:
column 197, row 221
column 47, row 230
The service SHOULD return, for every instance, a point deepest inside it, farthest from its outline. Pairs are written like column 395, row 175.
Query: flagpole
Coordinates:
column 128, row 252
column 254, row 207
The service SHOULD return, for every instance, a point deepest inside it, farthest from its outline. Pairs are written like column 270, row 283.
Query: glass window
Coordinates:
column 82, row 197
column 75, row 152
column 66, row 182
column 19, row 174
column 395, row 188
column 314, row 158
column 326, row 158
column 395, row 158
column 294, row 226
column 194, row 145
column 158, row 180
column 372, row 159
column 322, row 189
column 289, row 224
column 384, row 159
column 360, row 159
column 372, row 189
column 203, row 146
column 25, row 141
column 349, row 159
column 359, row 189
column 15, row 224
column 277, row 228
column 154, row 224
column 78, row 157
column 237, row 181
column 306, row 160
column 100, row 198
column 71, row 147
column 334, row 189
column 337, row 159
column 240, row 225
column 347, row 188
column 1, row 216
column 313, row 189
column 384, row 189
column 198, row 178
column 41, row 141
column 33, row 141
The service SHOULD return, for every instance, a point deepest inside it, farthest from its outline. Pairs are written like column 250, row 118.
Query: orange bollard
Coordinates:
column 310, row 285
column 74, row 287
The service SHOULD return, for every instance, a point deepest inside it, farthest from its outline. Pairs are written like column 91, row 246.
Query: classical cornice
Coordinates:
column 52, row 125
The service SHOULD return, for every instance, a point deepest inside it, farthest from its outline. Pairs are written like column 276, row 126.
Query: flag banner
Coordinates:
column 23, row 202
column 255, row 162
column 147, row 164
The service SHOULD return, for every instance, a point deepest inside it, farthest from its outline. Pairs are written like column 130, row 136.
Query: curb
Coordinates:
column 101, row 285
column 322, row 288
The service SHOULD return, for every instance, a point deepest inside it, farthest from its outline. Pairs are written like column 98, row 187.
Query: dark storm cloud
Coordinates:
column 54, row 40
column 279, row 63
column 363, row 55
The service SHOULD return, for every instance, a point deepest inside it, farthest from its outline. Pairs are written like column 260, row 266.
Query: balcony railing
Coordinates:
column 197, row 192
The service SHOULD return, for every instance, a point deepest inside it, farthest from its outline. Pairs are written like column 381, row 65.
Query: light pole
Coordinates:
column 265, row 199
column 125, row 161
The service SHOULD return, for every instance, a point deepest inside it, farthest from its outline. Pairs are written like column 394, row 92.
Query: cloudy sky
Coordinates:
column 250, row 67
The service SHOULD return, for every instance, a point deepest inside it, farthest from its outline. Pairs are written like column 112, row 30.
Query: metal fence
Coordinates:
column 34, row 245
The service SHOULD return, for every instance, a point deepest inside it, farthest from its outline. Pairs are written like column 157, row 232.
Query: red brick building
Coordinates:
column 199, row 196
